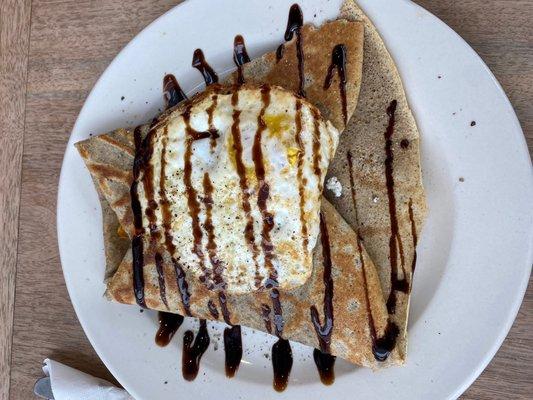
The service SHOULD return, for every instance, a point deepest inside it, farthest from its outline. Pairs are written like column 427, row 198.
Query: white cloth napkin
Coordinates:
column 71, row 384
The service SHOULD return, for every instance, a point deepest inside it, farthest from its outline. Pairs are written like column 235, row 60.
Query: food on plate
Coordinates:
column 230, row 185
column 215, row 208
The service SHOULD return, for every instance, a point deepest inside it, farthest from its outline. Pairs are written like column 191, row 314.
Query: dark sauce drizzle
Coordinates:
column 325, row 364
column 243, row 183
column 232, row 349
column 240, row 57
column 193, row 352
column 172, row 91
column 198, row 62
column 381, row 346
column 281, row 363
column 223, row 301
column 280, row 51
column 338, row 62
column 317, row 156
column 397, row 284
column 281, row 350
column 279, row 323
column 210, row 111
column 323, row 331
column 137, row 241
column 264, row 190
column 192, row 199
column 161, row 279
column 413, row 234
column 168, row 325
column 294, row 25
column 217, row 265
column 156, row 234
column 183, row 286
column 302, row 181
column 323, row 359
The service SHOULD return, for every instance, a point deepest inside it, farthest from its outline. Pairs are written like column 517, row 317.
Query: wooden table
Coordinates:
column 51, row 53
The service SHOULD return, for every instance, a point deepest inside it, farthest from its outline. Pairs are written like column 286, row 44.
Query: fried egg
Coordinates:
column 231, row 186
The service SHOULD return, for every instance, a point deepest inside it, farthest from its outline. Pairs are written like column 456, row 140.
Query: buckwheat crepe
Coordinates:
column 357, row 291
column 109, row 159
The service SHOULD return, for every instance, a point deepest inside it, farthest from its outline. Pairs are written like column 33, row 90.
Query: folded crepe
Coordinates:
column 110, row 157
column 354, row 291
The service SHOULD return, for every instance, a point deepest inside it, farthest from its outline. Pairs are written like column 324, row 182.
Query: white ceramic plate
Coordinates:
column 475, row 253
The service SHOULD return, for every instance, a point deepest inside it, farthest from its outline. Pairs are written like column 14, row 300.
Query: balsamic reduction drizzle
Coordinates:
column 280, row 51
column 198, row 62
column 222, row 300
column 172, row 91
column 137, row 241
column 183, row 287
column 243, row 183
column 216, row 264
column 240, row 57
column 338, row 62
column 281, row 350
column 279, row 323
column 294, row 25
column 317, row 156
column 212, row 130
column 193, row 352
column 281, row 363
column 161, row 279
column 302, row 180
column 324, row 361
column 413, row 234
column 323, row 331
column 384, row 345
column 192, row 199
column 264, row 188
column 168, row 325
column 325, row 364
column 212, row 133
column 381, row 346
column 397, row 284
column 232, row 349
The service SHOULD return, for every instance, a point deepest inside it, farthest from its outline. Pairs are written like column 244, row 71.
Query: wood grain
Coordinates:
column 14, row 38
column 70, row 45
